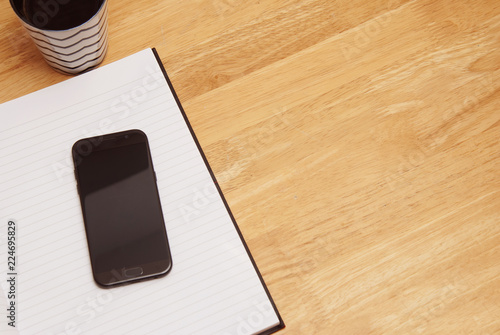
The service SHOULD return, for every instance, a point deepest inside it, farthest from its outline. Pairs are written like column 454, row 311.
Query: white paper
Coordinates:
column 213, row 287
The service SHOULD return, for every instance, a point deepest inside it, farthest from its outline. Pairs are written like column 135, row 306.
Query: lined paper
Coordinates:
column 213, row 287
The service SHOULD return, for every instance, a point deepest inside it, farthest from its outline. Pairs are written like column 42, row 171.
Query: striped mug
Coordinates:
column 72, row 35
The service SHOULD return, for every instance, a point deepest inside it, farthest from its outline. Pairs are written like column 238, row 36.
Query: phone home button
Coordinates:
column 132, row 272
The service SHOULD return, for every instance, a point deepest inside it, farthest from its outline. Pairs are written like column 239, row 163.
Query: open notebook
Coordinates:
column 214, row 286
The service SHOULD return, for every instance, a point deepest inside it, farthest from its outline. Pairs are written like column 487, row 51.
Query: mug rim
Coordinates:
column 25, row 21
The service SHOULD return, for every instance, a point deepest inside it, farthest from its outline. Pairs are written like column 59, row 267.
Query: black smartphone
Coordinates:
column 121, row 208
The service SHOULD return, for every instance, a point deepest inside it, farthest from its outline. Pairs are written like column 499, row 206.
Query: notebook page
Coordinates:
column 212, row 288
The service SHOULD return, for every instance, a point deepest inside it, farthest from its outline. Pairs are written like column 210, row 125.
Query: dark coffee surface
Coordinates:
column 59, row 14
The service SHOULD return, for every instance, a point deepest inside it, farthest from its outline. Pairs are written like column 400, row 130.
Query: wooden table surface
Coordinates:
column 357, row 143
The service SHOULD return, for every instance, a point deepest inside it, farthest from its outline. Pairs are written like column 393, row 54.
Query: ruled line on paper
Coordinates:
column 51, row 116
column 211, row 316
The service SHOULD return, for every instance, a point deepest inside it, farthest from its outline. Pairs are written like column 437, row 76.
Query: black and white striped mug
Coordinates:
column 72, row 35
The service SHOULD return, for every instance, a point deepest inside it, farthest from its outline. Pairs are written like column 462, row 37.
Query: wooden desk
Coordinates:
column 357, row 143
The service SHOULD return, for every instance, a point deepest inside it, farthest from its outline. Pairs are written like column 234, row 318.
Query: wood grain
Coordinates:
column 357, row 144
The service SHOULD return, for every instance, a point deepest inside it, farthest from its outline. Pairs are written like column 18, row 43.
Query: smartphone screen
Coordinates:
column 121, row 208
